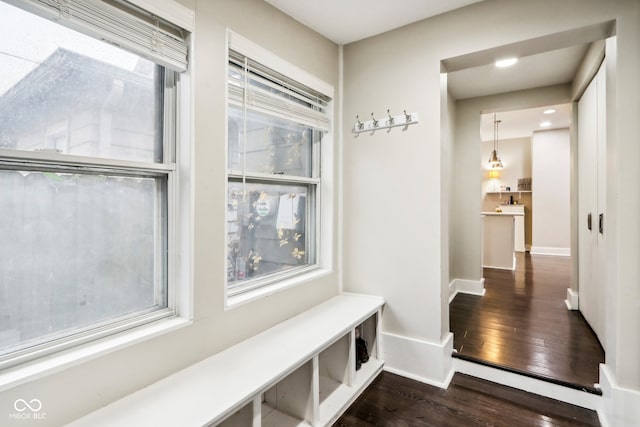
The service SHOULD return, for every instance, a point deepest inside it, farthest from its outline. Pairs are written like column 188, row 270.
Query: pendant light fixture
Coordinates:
column 494, row 159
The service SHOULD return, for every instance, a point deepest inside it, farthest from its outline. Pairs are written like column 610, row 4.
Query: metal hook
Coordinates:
column 360, row 124
column 391, row 120
column 375, row 122
column 407, row 117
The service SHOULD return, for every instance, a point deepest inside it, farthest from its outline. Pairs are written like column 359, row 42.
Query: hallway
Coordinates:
column 523, row 325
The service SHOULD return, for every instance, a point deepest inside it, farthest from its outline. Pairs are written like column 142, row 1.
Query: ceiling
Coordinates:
column 549, row 68
column 522, row 123
column 346, row 21
column 544, row 61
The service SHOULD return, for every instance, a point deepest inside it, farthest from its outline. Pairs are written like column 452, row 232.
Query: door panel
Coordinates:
column 591, row 202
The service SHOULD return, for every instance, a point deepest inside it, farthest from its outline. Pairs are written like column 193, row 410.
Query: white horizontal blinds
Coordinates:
column 134, row 30
column 261, row 89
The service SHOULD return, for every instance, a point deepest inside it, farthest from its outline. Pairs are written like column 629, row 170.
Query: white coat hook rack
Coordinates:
column 385, row 123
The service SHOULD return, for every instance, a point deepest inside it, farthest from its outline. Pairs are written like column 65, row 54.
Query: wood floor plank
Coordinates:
column 392, row 400
column 522, row 323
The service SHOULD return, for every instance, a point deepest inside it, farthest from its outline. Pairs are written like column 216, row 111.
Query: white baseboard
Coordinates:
column 464, row 286
column 423, row 361
column 532, row 385
column 620, row 406
column 502, row 267
column 572, row 302
column 541, row 250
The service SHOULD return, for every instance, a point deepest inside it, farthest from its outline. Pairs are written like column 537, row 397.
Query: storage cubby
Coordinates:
column 242, row 418
column 369, row 331
column 290, row 402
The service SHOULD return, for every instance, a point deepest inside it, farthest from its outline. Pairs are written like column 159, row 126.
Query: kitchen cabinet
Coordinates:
column 497, row 249
column 519, row 221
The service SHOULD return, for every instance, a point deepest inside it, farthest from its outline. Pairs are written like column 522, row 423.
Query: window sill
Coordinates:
column 264, row 291
column 57, row 362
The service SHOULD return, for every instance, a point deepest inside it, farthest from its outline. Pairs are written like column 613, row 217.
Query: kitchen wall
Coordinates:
column 74, row 391
column 516, row 159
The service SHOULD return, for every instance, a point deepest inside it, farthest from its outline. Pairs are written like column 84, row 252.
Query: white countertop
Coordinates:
column 503, row 213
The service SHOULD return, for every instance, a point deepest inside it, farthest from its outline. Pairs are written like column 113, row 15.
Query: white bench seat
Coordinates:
column 303, row 357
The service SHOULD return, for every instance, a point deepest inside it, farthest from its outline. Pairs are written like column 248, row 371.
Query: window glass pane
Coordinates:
column 69, row 93
column 273, row 146
column 266, row 230
column 77, row 250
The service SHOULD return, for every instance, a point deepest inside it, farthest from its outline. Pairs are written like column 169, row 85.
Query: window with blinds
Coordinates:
column 275, row 129
column 89, row 173
column 119, row 23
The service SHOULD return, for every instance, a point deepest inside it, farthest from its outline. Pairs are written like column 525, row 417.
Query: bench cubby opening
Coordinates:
column 241, row 418
column 290, row 402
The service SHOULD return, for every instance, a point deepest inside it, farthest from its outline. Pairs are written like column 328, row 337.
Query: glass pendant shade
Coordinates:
column 494, row 159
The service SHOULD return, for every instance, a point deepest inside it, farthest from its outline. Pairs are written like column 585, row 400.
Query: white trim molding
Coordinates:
column 541, row 250
column 256, row 52
column 572, row 302
column 427, row 362
column 170, row 10
column 464, row 286
column 58, row 362
column 620, row 406
column 531, row 385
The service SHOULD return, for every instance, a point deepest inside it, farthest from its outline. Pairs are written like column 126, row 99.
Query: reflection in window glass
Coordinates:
column 77, row 250
column 266, row 229
column 276, row 126
column 64, row 92
column 273, row 146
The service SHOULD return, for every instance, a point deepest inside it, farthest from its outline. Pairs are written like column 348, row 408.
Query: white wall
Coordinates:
column 551, row 192
column 392, row 248
column 77, row 390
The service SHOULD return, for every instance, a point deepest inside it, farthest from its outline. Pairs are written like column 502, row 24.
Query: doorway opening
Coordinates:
column 521, row 323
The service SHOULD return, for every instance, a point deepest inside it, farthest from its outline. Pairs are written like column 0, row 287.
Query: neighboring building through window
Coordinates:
column 275, row 131
column 86, row 168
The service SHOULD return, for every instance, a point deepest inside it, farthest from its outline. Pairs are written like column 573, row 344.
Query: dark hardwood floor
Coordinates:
column 522, row 324
column 396, row 401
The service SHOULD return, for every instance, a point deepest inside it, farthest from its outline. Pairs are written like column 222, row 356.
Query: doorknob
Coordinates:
column 601, row 223
column 589, row 221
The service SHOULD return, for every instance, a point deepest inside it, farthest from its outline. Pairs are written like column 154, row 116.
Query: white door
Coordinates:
column 591, row 202
column 601, row 252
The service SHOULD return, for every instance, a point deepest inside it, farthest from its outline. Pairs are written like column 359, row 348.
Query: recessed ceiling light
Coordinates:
column 545, row 124
column 549, row 111
column 507, row 62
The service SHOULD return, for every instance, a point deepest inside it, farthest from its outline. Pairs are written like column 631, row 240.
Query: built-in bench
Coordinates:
column 301, row 372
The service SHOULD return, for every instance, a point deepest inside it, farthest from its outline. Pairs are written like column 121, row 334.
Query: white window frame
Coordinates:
column 178, row 105
column 324, row 226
